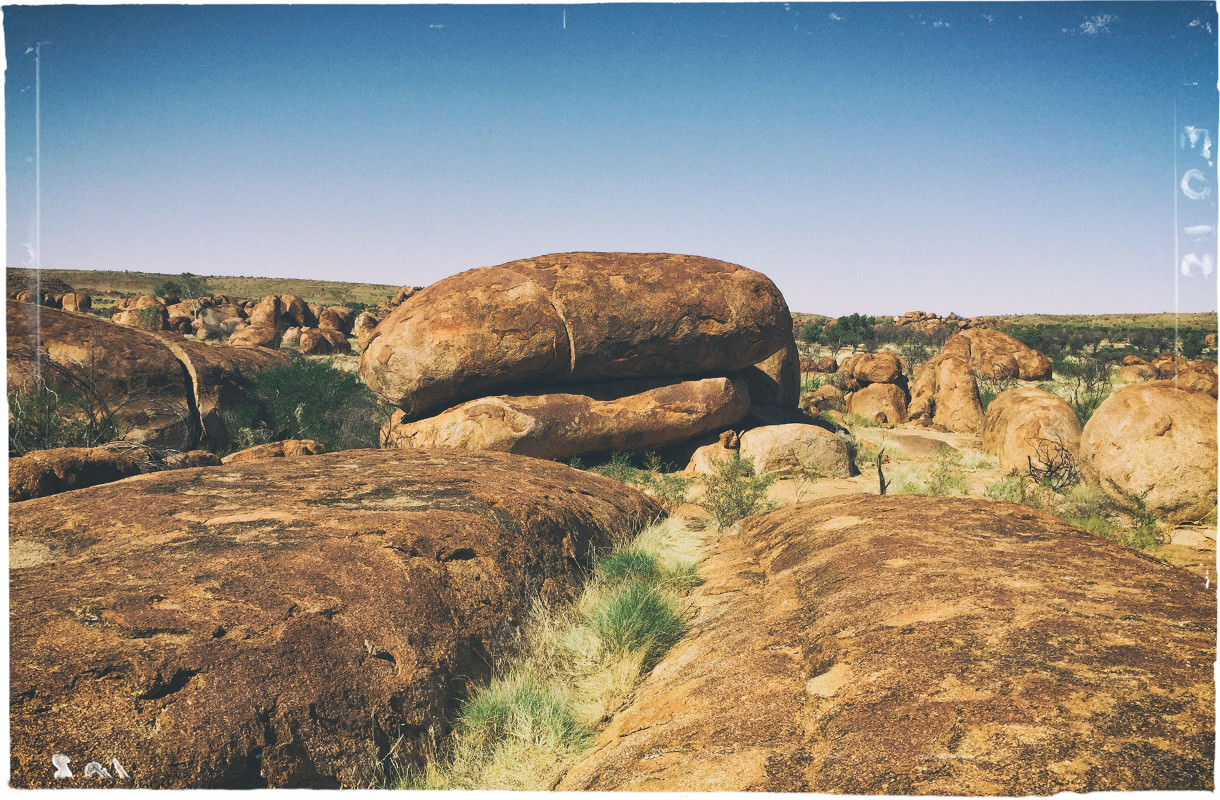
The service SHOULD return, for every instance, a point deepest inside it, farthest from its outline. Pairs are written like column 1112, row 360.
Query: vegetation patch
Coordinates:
column 646, row 471
column 306, row 399
column 732, row 492
column 570, row 668
column 944, row 478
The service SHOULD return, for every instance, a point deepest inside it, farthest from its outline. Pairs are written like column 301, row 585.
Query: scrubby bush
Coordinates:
column 943, row 478
column 307, row 399
column 732, row 491
column 652, row 475
column 1008, row 490
column 1085, row 384
column 60, row 407
column 185, row 285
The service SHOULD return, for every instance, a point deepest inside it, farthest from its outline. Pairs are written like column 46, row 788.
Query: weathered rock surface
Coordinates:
column 824, row 398
column 340, row 318
column 1030, row 426
column 883, row 399
column 573, row 317
column 1155, row 442
column 946, row 392
column 323, row 341
column 282, row 622
column 41, row 473
column 998, row 355
column 776, row 449
column 1136, row 373
column 910, row 645
column 564, row 425
column 142, row 383
column 289, row 448
column 220, row 379
column 776, row 380
column 364, row 326
column 256, row 336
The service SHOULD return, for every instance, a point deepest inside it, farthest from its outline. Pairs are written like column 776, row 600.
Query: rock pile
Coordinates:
column 283, row 623
column 546, row 355
column 1195, row 376
column 945, row 391
column 910, row 645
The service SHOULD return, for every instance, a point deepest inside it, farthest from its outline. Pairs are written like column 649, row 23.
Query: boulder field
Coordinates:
column 165, row 391
column 915, row 645
column 283, row 622
column 544, row 356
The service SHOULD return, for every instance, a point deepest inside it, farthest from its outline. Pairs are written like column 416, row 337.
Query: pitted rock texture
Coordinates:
column 559, row 426
column 571, row 317
column 1030, row 427
column 1154, row 443
column 282, row 622
column 916, row 645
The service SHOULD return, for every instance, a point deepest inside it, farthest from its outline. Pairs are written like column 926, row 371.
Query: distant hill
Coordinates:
column 103, row 282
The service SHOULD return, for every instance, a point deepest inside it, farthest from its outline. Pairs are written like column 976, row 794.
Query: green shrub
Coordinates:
column 149, row 318
column 184, row 286
column 858, row 421
column 732, row 491
column 59, row 407
column 653, row 477
column 992, row 385
column 637, row 616
column 308, row 399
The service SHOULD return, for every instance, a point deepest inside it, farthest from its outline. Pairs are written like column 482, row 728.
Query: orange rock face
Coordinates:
column 923, row 646
column 885, row 399
column 282, row 622
column 570, row 317
column 290, row 448
column 1155, row 442
column 1025, row 426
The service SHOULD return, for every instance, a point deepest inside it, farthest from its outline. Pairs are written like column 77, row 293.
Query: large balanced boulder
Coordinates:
column 1155, row 444
column 560, row 426
column 864, row 369
column 911, row 645
column 1026, row 428
column 573, row 317
column 285, row 622
column 795, row 447
column 128, row 373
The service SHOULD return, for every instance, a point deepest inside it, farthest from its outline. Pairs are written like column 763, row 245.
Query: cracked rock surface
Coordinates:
column 916, row 645
column 285, row 622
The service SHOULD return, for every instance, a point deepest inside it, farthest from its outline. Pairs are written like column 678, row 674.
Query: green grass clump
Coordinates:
column 520, row 707
column 626, row 565
column 570, row 668
column 638, row 616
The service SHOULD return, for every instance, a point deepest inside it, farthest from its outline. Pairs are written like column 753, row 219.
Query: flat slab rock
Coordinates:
column 915, row 645
column 286, row 622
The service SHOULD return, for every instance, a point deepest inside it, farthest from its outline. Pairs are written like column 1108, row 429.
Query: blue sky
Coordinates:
column 980, row 158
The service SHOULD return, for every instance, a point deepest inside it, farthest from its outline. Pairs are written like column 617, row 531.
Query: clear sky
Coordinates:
column 980, row 158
